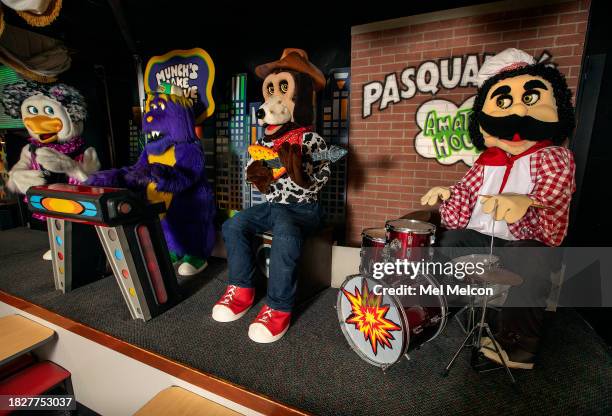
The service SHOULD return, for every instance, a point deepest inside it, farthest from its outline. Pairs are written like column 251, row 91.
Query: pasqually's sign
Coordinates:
column 443, row 124
column 192, row 70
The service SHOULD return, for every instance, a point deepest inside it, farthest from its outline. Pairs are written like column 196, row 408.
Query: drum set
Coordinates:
column 384, row 318
column 380, row 326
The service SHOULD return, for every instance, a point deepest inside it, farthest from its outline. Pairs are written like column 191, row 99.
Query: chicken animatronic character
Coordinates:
column 171, row 170
column 292, row 210
column 518, row 190
column 54, row 117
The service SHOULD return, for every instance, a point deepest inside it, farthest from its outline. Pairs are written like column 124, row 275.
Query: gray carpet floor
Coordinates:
column 312, row 367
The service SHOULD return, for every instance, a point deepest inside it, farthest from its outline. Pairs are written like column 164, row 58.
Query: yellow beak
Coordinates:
column 45, row 127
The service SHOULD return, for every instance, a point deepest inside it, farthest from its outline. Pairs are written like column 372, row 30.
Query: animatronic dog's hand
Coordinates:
column 508, row 207
column 260, row 176
column 291, row 158
column 22, row 180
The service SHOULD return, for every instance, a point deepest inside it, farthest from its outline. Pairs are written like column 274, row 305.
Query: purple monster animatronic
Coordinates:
column 171, row 169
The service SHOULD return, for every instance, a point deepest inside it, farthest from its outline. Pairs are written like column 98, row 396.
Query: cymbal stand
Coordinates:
column 482, row 325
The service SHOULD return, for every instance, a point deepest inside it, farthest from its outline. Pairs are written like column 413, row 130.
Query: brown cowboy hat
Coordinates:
column 41, row 12
column 295, row 60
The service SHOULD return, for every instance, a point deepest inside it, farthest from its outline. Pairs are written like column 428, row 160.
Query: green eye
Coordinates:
column 504, row 101
column 531, row 97
column 32, row 109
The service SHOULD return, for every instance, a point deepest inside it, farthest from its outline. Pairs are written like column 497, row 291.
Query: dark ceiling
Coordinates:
column 237, row 36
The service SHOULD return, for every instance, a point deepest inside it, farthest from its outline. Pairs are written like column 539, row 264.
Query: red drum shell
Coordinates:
column 373, row 241
column 406, row 234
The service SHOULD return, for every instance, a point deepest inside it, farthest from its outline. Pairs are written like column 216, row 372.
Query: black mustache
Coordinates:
column 527, row 127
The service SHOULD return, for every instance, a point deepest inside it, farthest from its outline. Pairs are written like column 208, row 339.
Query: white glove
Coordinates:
column 435, row 193
column 90, row 163
column 21, row 180
column 57, row 162
column 54, row 161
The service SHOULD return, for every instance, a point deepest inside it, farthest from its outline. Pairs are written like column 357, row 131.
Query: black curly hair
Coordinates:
column 69, row 97
column 562, row 93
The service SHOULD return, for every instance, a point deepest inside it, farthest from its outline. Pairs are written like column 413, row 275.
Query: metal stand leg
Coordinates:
column 465, row 328
column 476, row 335
column 479, row 327
column 499, row 354
column 463, row 344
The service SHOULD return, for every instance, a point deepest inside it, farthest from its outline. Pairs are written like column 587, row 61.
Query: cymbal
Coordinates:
column 499, row 276
column 485, row 259
column 421, row 215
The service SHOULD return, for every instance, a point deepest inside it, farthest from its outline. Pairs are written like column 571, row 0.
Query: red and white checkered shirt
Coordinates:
column 552, row 171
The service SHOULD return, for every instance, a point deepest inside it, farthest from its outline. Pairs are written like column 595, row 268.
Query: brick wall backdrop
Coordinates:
column 386, row 176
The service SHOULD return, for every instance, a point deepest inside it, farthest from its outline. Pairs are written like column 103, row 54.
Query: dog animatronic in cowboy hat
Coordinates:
column 518, row 190
column 291, row 210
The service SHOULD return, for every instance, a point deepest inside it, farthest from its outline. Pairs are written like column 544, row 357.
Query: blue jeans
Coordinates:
column 290, row 224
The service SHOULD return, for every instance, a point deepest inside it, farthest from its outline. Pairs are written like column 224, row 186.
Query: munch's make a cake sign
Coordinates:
column 191, row 70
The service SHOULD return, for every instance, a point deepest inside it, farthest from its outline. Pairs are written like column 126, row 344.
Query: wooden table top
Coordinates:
column 19, row 335
column 180, row 402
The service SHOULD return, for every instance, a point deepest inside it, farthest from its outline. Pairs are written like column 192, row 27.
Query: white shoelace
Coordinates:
column 266, row 316
column 229, row 296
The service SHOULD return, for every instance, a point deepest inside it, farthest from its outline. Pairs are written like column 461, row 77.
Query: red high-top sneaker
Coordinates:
column 270, row 325
column 234, row 303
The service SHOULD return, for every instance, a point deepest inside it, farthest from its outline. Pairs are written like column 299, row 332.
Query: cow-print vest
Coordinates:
column 284, row 190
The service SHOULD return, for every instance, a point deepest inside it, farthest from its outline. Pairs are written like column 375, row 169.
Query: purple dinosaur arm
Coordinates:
column 111, row 177
column 187, row 171
column 136, row 176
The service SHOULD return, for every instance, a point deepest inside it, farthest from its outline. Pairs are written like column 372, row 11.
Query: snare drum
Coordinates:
column 382, row 327
column 373, row 242
column 405, row 235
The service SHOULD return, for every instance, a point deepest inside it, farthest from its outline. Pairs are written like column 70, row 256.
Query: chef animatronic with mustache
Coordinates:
column 522, row 116
column 291, row 210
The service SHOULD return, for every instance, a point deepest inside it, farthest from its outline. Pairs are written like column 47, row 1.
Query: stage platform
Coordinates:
column 312, row 368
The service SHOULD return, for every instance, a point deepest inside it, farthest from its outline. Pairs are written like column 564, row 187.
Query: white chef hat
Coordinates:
column 506, row 60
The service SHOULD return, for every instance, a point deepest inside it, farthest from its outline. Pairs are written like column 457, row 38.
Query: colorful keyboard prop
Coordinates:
column 130, row 233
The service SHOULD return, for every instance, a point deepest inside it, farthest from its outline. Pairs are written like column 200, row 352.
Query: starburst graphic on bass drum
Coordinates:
column 369, row 317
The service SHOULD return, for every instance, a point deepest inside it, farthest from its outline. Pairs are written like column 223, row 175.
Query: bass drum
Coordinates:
column 381, row 327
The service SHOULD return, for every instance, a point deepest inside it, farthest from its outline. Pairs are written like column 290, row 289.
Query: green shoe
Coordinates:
column 191, row 265
column 174, row 258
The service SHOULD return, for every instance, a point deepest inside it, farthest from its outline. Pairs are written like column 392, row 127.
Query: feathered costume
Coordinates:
column 54, row 117
column 171, row 169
